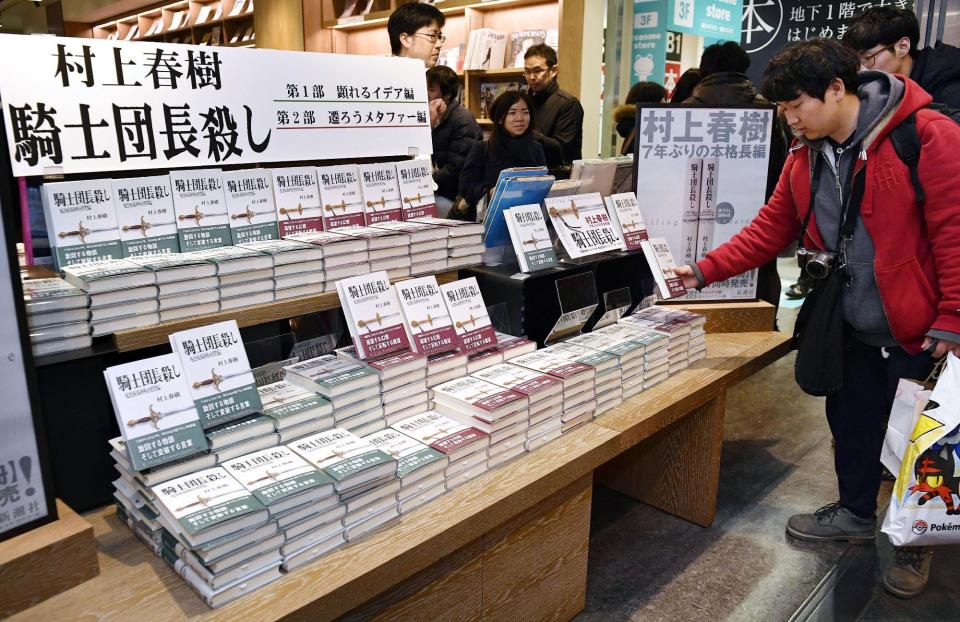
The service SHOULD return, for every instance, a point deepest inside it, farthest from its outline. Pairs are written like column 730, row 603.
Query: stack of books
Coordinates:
column 122, row 294
column 420, row 469
column 676, row 329
column 607, row 383
column 297, row 267
column 445, row 367
column 428, row 244
column 502, row 413
column 464, row 445
column 482, row 359
column 629, row 353
column 294, row 411
column 58, row 316
column 579, row 397
column 403, row 383
column 364, row 477
column 387, row 250
column 244, row 276
column 511, row 346
column 465, row 241
column 352, row 387
column 656, row 361
column 343, row 256
column 186, row 286
column 242, row 436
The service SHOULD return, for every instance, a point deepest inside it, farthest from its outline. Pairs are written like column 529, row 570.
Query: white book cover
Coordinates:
column 425, row 316
column 249, row 194
column 411, row 454
column 53, row 294
column 157, row 417
column 286, row 252
column 276, row 474
column 235, row 259
column 442, row 433
column 373, row 315
column 469, row 314
column 691, row 209
column 624, row 211
column 456, row 228
column 582, row 224
column 523, row 380
column 108, row 275
column 708, row 207
column 352, row 250
column 422, row 236
column 490, row 51
column 218, row 372
column 297, row 199
column 378, row 238
column 81, row 221
column 341, row 195
column 416, row 189
column 341, row 454
column 530, row 238
column 147, row 221
column 554, row 365
column 662, row 265
column 472, row 395
column 201, row 208
column 381, row 194
column 204, row 500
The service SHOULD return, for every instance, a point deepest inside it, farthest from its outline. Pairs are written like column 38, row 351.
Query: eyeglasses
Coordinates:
column 536, row 71
column 869, row 60
column 432, row 38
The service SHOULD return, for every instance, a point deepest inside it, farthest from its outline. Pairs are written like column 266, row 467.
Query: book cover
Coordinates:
column 707, row 219
column 469, row 314
column 234, row 259
column 522, row 380
column 626, row 217
column 416, row 189
column 520, row 42
column 201, row 209
column 662, row 264
column 53, row 294
column 491, row 50
column 341, row 454
column 297, row 199
column 81, row 221
column 691, row 209
column 530, row 238
column 286, row 252
column 249, row 194
column 373, row 315
column 341, row 196
column 425, row 316
column 277, row 473
column 217, row 371
column 420, row 235
column 107, row 275
column 442, row 433
column 145, row 213
column 471, row 394
column 332, row 375
column 411, row 454
column 582, row 224
column 157, row 418
column 381, row 193
column 552, row 364
column 489, row 91
column 204, row 500
column 511, row 346
column 514, row 187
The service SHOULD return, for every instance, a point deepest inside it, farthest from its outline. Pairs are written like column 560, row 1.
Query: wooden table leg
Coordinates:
column 676, row 470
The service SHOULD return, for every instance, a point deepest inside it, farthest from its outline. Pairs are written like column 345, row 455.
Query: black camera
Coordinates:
column 815, row 263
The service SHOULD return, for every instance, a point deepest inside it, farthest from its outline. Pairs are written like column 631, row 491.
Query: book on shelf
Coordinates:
column 107, row 275
column 145, row 214
column 249, row 196
column 237, row 8
column 520, row 42
column 200, row 207
column 64, row 317
column 176, row 20
column 662, row 265
column 42, row 296
column 341, row 195
column 452, row 57
column 596, row 357
column 490, row 91
column 297, row 199
column 332, row 376
column 188, row 299
column 530, row 238
column 235, row 260
column 338, row 249
column 204, row 14
column 380, row 192
column 177, row 269
column 238, row 431
column 624, row 212
column 280, row 478
column 572, row 374
column 450, row 437
column 419, row 235
column 582, row 225
column 373, row 315
column 81, row 221
column 349, row 460
column 455, row 228
column 379, row 238
column 479, row 399
column 425, row 316
column 536, row 386
column 486, row 49
column 250, row 445
column 594, row 175
column 511, row 346
column 132, row 33
column 469, row 314
column 286, row 252
column 416, row 189
column 218, row 372
column 99, row 328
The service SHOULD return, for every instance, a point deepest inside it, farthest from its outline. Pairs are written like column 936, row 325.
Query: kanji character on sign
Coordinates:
column 134, row 127
column 35, row 134
column 179, row 130
column 67, row 64
column 221, row 133
column 203, row 69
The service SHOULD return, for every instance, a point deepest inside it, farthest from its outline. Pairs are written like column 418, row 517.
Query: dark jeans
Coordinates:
column 858, row 417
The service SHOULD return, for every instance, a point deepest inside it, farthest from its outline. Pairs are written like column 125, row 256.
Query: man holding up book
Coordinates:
column 557, row 113
column 890, row 266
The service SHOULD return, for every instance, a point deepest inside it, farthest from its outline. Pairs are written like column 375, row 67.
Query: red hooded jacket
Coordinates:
column 917, row 246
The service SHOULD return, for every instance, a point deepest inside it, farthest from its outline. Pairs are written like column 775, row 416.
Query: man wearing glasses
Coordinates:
column 415, row 32
column 558, row 114
column 886, row 38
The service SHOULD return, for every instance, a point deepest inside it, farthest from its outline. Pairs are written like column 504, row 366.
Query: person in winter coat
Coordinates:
column 625, row 115
column 688, row 81
column 559, row 114
column 511, row 144
column 453, row 135
column 885, row 38
column 901, row 302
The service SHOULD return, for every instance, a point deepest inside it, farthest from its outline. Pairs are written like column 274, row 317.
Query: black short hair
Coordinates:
column 544, row 51
column 408, row 19
column 726, row 56
column 685, row 85
column 445, row 79
column 498, row 114
column 882, row 25
column 809, row 67
column 645, row 92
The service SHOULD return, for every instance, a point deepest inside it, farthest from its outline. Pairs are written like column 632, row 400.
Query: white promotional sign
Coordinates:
column 75, row 105
column 729, row 148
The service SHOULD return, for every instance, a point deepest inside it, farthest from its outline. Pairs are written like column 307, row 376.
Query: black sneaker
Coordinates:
column 832, row 523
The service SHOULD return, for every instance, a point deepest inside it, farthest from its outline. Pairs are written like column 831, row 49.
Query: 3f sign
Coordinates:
column 683, row 13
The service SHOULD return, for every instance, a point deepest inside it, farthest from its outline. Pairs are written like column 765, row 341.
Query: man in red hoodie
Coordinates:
column 901, row 304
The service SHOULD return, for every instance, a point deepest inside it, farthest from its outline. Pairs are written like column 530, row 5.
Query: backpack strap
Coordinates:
column 906, row 142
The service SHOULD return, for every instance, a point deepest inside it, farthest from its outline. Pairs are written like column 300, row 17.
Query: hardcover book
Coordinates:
column 201, row 209
column 536, row 386
column 571, row 373
column 341, row 196
column 479, row 398
column 444, row 434
column 662, row 265
column 235, row 260
column 626, row 218
column 415, row 461
column 582, row 224
column 422, row 237
column 511, row 346
column 338, row 249
column 381, row 193
column 238, row 431
column 530, row 238
column 416, row 189
column 53, row 294
column 107, row 275
column 175, row 269
column 373, row 315
column 147, row 221
column 455, row 228
column 217, row 371
column 253, row 215
column 286, row 252
column 279, row 478
column 425, row 316
column 332, row 376
column 350, row 460
column 469, row 314
column 378, row 238
column 157, row 418
column 297, row 199
column 81, row 221
column 691, row 209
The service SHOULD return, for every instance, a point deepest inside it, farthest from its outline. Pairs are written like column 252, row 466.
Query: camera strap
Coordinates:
column 850, row 203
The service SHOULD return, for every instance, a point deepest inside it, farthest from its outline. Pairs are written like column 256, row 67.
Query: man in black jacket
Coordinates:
column 558, row 114
column 453, row 135
column 886, row 39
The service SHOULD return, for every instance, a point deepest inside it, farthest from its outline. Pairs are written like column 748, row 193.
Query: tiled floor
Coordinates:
column 777, row 460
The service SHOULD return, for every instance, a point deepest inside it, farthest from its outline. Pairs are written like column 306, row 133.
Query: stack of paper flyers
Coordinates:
column 202, row 220
column 81, row 221
column 253, row 216
column 297, row 199
column 416, row 189
column 148, row 224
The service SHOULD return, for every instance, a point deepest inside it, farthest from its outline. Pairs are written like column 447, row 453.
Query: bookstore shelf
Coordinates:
column 450, row 7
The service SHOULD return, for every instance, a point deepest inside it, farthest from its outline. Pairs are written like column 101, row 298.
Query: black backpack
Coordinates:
column 906, row 142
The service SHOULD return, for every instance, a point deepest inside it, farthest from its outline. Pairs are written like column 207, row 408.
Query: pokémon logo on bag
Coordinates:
column 919, row 527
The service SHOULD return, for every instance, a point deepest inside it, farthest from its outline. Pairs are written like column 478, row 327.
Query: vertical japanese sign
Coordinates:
column 649, row 40
column 707, row 18
column 83, row 105
column 729, row 148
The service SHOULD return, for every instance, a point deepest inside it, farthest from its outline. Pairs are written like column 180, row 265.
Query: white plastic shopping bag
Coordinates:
column 925, row 505
column 908, row 403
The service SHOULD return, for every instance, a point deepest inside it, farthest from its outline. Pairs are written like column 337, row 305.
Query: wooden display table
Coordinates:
column 511, row 544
